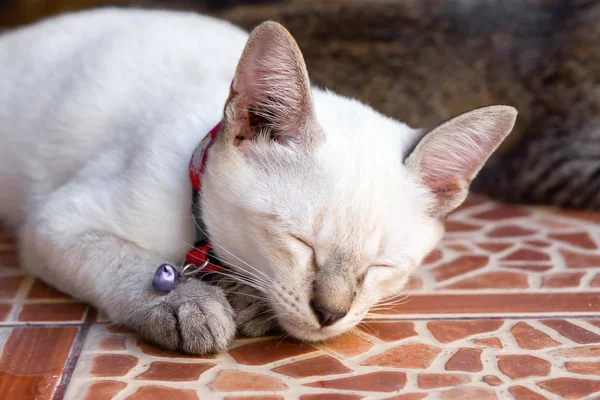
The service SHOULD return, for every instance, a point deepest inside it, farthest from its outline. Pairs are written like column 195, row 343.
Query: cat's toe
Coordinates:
column 206, row 326
column 195, row 318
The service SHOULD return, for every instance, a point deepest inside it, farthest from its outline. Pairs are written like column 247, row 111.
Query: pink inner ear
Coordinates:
column 453, row 153
column 273, row 81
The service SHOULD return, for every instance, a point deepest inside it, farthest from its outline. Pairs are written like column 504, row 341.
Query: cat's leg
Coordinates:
column 115, row 275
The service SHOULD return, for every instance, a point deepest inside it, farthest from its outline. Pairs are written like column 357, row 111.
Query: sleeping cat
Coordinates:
column 318, row 206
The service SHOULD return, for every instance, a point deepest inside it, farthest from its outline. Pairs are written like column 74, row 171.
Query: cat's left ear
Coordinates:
column 448, row 158
column 270, row 95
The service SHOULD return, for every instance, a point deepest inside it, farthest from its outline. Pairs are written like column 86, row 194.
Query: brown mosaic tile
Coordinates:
column 113, row 343
column 580, row 260
column 450, row 331
column 163, row 393
column 469, row 393
column 498, row 303
column 538, row 243
column 40, row 290
column 113, row 364
column 581, row 239
column 455, row 226
column 459, row 247
column 510, row 231
column 323, row 365
column 571, row 388
column 460, row 266
column 586, row 216
column 236, row 381
column 408, row 396
column 349, row 345
column 389, row 331
column 523, row 393
column 55, row 312
column 471, row 201
column 4, row 311
column 266, row 352
column 572, row 331
column 583, row 368
column 257, row 398
column 530, row 338
column 104, row 390
column 489, row 342
column 415, row 355
column 528, row 267
column 112, row 328
column 431, row 381
column 329, row 396
column 9, row 286
column 383, row 381
column 523, row 366
column 433, row 257
column 494, row 247
column 152, row 350
column 595, row 322
column 175, row 372
column 527, row 255
column 32, row 361
column 492, row 280
column 492, row 380
column 562, row 280
column 9, row 259
column 501, row 213
column 579, row 352
column 465, row 359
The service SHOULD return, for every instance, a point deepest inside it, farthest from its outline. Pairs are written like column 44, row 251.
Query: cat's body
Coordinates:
column 85, row 124
column 320, row 210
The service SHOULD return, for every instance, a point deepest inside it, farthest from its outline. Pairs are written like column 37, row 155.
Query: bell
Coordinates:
column 165, row 278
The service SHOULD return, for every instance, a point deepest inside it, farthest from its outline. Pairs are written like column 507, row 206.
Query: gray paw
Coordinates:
column 252, row 316
column 194, row 318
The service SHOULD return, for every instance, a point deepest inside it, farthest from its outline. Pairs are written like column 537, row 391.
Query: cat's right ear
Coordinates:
column 448, row 158
column 270, row 96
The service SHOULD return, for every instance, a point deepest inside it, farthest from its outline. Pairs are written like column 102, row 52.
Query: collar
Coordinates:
column 202, row 251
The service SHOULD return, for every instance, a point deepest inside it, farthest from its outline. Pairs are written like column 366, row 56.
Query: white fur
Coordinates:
column 99, row 115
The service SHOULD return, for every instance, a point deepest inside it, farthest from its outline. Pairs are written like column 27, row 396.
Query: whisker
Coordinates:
column 230, row 253
column 257, row 279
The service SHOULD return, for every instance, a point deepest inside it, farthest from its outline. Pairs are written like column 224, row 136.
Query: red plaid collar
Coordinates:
column 202, row 251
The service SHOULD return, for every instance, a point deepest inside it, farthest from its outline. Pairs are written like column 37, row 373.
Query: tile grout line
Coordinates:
column 75, row 353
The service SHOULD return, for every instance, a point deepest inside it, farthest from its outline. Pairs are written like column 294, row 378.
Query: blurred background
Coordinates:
column 423, row 61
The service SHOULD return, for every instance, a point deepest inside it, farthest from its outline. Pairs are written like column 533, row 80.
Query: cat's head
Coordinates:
column 326, row 205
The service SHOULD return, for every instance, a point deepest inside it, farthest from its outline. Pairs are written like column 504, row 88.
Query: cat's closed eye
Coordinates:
column 383, row 266
column 306, row 244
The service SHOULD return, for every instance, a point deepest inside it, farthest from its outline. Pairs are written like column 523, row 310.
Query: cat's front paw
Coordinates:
column 195, row 318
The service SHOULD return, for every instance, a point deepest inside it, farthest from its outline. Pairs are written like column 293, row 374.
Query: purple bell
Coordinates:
column 165, row 278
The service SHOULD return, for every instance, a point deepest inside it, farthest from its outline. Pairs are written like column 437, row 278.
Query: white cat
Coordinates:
column 320, row 206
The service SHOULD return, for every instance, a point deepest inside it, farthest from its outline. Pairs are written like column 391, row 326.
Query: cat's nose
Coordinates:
column 325, row 316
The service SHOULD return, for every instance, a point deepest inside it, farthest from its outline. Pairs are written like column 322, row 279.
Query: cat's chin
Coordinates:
column 309, row 333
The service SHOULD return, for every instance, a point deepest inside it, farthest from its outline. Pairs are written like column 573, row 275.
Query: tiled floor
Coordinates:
column 508, row 307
